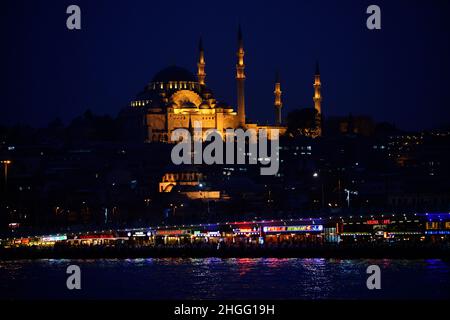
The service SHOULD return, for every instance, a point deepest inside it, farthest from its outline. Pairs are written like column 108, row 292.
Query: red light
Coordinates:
column 372, row 222
column 97, row 236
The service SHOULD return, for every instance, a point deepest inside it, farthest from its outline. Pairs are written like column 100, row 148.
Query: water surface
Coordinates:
column 215, row 278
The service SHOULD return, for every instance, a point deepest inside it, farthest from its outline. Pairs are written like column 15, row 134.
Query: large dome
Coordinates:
column 174, row 73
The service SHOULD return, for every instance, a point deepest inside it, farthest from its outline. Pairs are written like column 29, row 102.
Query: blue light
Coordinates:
column 437, row 232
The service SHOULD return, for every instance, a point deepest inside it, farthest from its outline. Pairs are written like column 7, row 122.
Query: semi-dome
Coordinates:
column 145, row 95
column 189, row 105
column 206, row 92
column 222, row 105
column 174, row 73
column 173, row 104
column 155, row 104
column 204, row 105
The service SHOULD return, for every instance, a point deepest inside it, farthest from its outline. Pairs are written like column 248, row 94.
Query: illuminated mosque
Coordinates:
column 175, row 98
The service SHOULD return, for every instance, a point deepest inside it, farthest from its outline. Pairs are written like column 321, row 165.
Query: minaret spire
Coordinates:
column 318, row 99
column 278, row 104
column 240, row 38
column 201, row 75
column 240, row 79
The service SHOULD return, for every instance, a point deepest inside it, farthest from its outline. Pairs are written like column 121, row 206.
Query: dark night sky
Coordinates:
column 399, row 74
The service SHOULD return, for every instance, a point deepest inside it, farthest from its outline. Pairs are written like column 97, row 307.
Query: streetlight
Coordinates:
column 6, row 163
column 349, row 192
column 174, row 208
column 316, row 175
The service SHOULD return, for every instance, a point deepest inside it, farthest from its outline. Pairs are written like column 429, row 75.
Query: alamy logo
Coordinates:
column 374, row 280
column 74, row 280
column 374, row 20
column 73, row 22
column 189, row 150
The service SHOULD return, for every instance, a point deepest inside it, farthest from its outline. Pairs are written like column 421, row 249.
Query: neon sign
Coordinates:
column 313, row 227
column 207, row 234
column 274, row 229
column 245, row 230
column 170, row 232
column 141, row 234
column 54, row 238
column 303, row 228
column 97, row 236
column 374, row 222
column 436, row 232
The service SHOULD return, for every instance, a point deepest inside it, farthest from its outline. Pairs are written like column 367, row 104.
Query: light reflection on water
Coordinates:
column 216, row 278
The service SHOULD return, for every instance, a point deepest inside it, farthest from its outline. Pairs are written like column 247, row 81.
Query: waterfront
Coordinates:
column 215, row 278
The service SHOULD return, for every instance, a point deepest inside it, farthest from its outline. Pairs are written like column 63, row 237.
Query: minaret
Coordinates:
column 278, row 104
column 240, row 79
column 201, row 75
column 318, row 99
